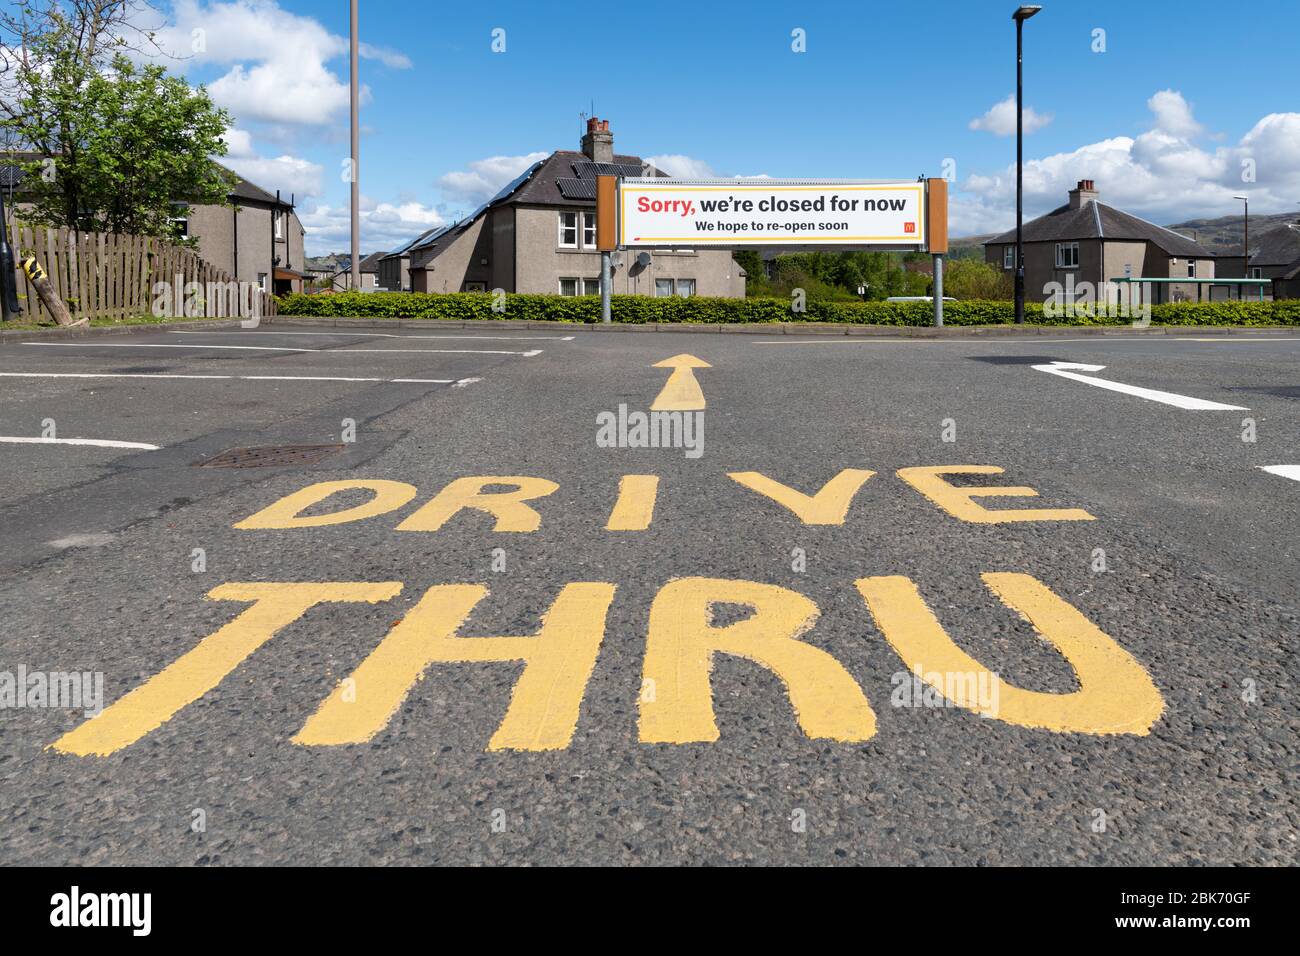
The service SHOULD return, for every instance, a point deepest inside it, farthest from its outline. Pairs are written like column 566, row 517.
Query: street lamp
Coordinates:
column 1020, row 16
column 355, row 198
column 1245, row 238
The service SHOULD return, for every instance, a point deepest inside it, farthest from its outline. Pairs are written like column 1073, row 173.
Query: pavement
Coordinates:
column 757, row 658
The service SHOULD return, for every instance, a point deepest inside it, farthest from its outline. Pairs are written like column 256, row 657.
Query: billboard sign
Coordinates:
column 733, row 213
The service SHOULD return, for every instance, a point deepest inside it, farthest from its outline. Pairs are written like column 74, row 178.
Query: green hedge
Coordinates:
column 640, row 309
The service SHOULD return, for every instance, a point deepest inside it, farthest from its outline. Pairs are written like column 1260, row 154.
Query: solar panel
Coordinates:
column 590, row 170
column 514, row 183
column 577, row 188
column 428, row 237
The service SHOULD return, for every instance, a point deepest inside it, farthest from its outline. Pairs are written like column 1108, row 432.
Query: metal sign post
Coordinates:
column 936, row 232
column 938, row 291
column 606, row 237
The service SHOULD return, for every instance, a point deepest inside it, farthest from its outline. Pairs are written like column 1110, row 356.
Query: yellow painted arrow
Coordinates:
column 681, row 393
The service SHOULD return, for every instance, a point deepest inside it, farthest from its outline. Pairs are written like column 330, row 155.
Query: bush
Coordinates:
column 641, row 309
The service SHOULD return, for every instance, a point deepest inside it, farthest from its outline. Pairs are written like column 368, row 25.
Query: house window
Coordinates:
column 475, row 287
column 568, row 230
column 261, row 282
column 1008, row 257
column 1067, row 255
column 686, row 287
column 1191, row 268
column 589, row 230
column 180, row 220
column 279, row 224
column 1256, row 273
column 569, row 286
column 591, row 286
column 663, row 288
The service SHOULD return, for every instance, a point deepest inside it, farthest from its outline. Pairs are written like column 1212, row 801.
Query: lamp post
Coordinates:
column 1245, row 237
column 9, row 308
column 1020, row 16
column 1245, row 246
column 356, row 147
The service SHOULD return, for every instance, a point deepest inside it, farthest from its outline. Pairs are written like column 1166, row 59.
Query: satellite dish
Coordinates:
column 643, row 259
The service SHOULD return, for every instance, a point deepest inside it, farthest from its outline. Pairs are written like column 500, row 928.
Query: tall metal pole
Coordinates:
column 356, row 169
column 9, row 307
column 938, row 291
column 605, row 287
column 1020, row 118
column 1245, row 244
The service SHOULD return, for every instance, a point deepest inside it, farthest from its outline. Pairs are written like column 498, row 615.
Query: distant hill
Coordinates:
column 1222, row 236
column 334, row 261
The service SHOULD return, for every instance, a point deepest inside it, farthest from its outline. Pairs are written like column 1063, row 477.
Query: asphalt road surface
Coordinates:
column 764, row 655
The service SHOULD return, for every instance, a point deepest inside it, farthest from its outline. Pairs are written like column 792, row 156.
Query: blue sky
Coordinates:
column 1187, row 105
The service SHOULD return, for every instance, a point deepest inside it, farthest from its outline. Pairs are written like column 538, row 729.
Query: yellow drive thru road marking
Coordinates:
column 682, row 392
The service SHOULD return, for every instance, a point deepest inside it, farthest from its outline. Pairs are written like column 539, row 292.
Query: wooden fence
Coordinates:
column 113, row 276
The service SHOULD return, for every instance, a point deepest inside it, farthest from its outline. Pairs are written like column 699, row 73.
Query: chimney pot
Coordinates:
column 1084, row 192
column 598, row 141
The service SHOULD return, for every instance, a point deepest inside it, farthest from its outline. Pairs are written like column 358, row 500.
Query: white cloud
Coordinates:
column 485, row 177
column 683, row 167
column 1173, row 114
column 384, row 226
column 390, row 58
column 239, row 143
column 291, row 175
column 1000, row 120
column 688, row 167
column 1161, row 175
column 278, row 61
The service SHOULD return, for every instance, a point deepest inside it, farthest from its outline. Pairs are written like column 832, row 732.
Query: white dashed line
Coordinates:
column 472, row 337
column 1283, row 471
column 93, row 442
column 246, row 378
column 275, row 348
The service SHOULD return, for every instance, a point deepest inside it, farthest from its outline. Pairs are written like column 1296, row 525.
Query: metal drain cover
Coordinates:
column 270, row 456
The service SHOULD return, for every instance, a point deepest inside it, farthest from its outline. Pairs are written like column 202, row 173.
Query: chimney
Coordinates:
column 1082, row 194
column 598, row 141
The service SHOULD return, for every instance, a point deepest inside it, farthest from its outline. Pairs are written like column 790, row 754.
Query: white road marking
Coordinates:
column 94, row 442
column 248, row 378
column 272, row 348
column 1063, row 369
column 1284, row 471
column 83, row 541
column 1238, row 340
column 104, row 375
column 833, row 339
column 466, row 381
column 473, row 336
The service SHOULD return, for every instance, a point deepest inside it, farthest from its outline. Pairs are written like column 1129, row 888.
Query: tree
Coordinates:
column 118, row 144
column 975, row 279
